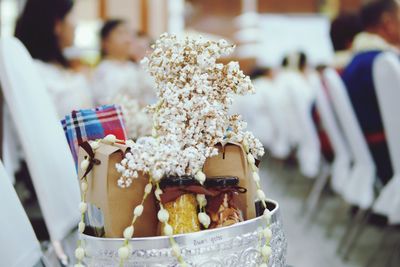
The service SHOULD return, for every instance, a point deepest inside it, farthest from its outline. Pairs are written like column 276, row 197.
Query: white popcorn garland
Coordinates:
column 80, row 251
column 125, row 249
column 163, row 217
column 203, row 217
column 266, row 232
column 84, row 165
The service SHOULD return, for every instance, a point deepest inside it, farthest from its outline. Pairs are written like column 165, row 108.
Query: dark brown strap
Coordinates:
column 92, row 160
column 172, row 193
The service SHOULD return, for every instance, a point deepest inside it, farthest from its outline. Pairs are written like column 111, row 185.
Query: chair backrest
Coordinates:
column 271, row 102
column 11, row 150
column 341, row 163
column 302, row 97
column 47, row 153
column 18, row 243
column 360, row 187
column 347, row 117
column 386, row 73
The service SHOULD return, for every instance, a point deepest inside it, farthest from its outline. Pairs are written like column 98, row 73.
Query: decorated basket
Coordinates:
column 186, row 195
column 236, row 245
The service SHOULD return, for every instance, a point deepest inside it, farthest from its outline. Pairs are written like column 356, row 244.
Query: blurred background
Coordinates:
column 330, row 159
column 234, row 20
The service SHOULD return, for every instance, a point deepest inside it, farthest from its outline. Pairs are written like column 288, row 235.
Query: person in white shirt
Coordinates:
column 116, row 74
column 297, row 99
column 119, row 80
column 270, row 99
column 46, row 28
column 254, row 108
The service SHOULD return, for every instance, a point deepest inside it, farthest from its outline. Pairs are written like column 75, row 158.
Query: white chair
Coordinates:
column 339, row 169
column 386, row 77
column 251, row 108
column 43, row 141
column 300, row 96
column 386, row 73
column 341, row 164
column 271, row 99
column 18, row 243
column 359, row 189
column 11, row 149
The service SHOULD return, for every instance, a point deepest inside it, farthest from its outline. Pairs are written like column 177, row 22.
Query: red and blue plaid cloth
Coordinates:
column 91, row 124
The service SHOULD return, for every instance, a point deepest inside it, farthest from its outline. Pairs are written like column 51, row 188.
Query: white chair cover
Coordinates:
column 340, row 169
column 254, row 112
column 283, row 84
column 47, row 153
column 18, row 243
column 271, row 101
column 359, row 189
column 11, row 147
column 386, row 73
column 300, row 97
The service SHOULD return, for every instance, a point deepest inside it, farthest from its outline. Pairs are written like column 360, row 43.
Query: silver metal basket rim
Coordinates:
column 159, row 242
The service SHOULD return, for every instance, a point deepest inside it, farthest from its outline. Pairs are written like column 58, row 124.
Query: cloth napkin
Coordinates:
column 91, row 124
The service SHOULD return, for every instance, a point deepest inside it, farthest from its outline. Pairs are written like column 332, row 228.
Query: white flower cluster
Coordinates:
column 191, row 116
column 237, row 133
column 149, row 155
column 138, row 122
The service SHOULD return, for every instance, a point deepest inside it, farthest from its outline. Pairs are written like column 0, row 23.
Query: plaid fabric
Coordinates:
column 91, row 124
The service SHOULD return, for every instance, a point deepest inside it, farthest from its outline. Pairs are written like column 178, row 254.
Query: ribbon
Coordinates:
column 172, row 193
column 215, row 200
column 92, row 161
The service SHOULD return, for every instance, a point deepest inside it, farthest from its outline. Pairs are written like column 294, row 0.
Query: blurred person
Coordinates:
column 117, row 74
column 270, row 100
column 295, row 62
column 119, row 80
column 292, row 80
column 140, row 47
column 297, row 98
column 381, row 22
column 254, row 108
column 47, row 28
column 343, row 30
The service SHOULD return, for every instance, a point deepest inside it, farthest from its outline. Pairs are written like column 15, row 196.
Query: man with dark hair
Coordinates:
column 382, row 17
column 343, row 30
column 381, row 23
